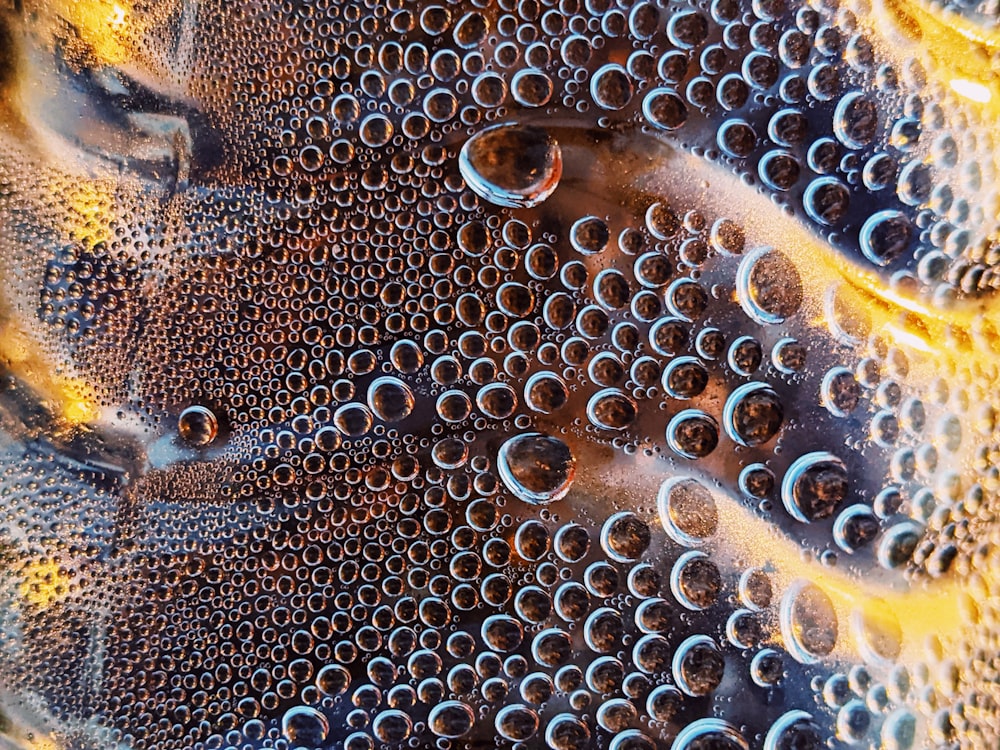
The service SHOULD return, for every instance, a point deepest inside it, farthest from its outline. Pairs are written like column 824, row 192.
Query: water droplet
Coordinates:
column 795, row 729
column 305, row 726
column 768, row 286
column 808, row 622
column 537, row 468
column 624, row 537
column 753, row 414
column 814, row 485
column 692, row 434
column 197, row 426
column 451, row 719
column 687, row 511
column 512, row 165
column 390, row 399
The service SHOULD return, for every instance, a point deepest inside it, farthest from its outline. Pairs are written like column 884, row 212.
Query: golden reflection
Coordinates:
column 43, row 583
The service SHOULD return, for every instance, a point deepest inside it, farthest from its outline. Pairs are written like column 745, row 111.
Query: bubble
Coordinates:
column 502, row 633
column 853, row 721
column 692, row 434
column 899, row 730
column 768, row 286
column 512, row 164
column 756, row 480
column 878, row 633
column 663, row 109
column 686, row 299
column 471, row 30
column 532, row 540
column 884, row 236
column 197, row 426
column 808, row 622
column 566, row 732
column 826, row 200
column 541, row 262
column 654, row 615
column 611, row 87
column 454, row 406
column 879, row 172
column 353, row 420
column 668, row 336
column 551, row 647
column 537, row 468
column 531, row 88
column 624, row 537
column 737, row 138
column 695, row 581
column 766, row 668
column 814, row 485
column 779, row 170
column 572, row 602
column 545, row 393
column 651, row 653
column 392, row 726
column 855, row 527
column 744, row 629
column 532, row 604
column 516, row 723
column 305, row 726
column 697, row 666
column 840, row 391
column 611, row 409
column 376, row 130
column 611, row 289
column 489, row 90
column 440, row 105
column 333, row 679
column 788, row 127
column 603, row 630
column 406, row 357
column 795, row 729
column 753, row 414
column 687, row 29
column 604, row 675
column 687, row 511
column 390, row 399
column 497, row 400
column 855, row 120
column 589, row 235
column 451, row 719
column 898, row 543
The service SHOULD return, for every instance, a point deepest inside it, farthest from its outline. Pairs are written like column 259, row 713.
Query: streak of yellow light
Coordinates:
column 919, row 612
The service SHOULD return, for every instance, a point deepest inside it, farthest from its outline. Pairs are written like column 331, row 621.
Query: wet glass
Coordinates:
column 533, row 374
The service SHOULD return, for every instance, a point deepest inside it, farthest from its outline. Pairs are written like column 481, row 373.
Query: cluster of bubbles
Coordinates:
column 430, row 403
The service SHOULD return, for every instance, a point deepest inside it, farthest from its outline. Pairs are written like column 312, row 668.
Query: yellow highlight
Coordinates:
column 903, row 337
column 78, row 405
column 91, row 206
column 117, row 20
column 918, row 613
column 958, row 49
column 103, row 25
column 43, row 583
column 970, row 90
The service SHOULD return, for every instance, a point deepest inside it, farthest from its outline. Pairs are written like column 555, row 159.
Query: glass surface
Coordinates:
column 528, row 375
